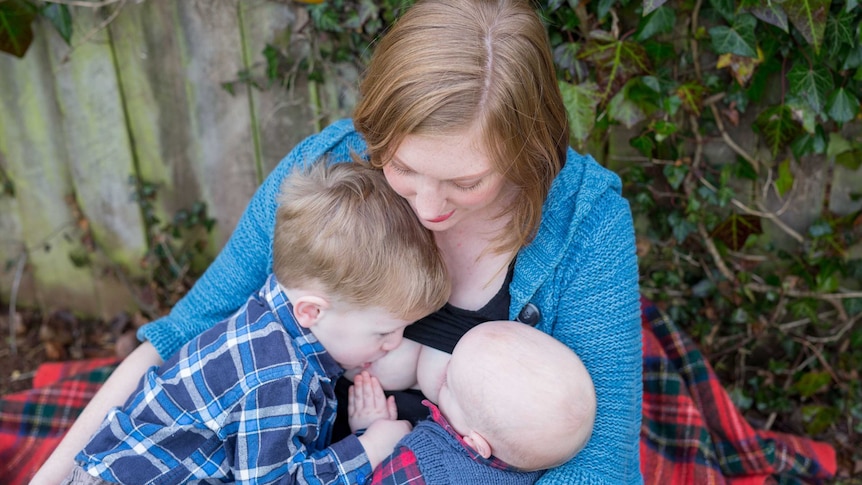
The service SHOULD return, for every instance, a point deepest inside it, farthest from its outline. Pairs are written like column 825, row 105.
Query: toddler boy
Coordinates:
column 252, row 399
column 514, row 402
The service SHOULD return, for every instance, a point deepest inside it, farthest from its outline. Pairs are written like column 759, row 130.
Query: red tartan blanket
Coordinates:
column 33, row 422
column 691, row 433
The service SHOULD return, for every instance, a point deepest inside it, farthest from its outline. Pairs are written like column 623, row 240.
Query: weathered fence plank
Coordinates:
column 146, row 45
column 99, row 153
column 222, row 148
column 97, row 140
column 33, row 144
column 283, row 116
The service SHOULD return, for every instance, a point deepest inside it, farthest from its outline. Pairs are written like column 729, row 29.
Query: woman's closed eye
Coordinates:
column 401, row 170
column 468, row 186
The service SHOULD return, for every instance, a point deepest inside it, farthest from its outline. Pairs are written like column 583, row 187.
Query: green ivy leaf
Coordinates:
column 811, row 383
column 16, row 32
column 827, row 283
column 652, row 5
column 605, row 7
column 740, row 399
column 851, row 159
column 661, row 21
column 691, row 94
column 675, row 174
column 810, row 143
column 818, row 418
column 839, row 32
column 838, row 145
column 773, row 14
column 784, row 182
column 643, row 144
column 809, row 18
column 615, row 61
column 842, row 105
column 59, row 16
column 724, row 7
column 624, row 110
column 813, row 84
column 777, row 126
column 853, row 58
column 581, row 102
column 737, row 39
column 680, row 226
column 736, row 229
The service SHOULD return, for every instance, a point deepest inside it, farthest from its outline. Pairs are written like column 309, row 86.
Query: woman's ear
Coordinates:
column 308, row 309
column 478, row 443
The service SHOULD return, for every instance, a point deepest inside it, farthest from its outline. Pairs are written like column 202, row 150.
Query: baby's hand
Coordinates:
column 381, row 437
column 367, row 403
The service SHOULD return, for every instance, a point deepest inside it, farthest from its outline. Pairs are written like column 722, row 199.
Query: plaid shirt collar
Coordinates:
column 317, row 356
column 492, row 461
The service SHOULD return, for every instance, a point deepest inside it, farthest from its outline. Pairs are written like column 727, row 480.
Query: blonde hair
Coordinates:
column 449, row 65
column 341, row 227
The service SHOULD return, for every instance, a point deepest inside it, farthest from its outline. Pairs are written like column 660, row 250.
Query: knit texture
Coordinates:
column 443, row 460
column 580, row 271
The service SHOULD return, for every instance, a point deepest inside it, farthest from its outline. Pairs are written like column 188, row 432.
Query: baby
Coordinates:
column 514, row 402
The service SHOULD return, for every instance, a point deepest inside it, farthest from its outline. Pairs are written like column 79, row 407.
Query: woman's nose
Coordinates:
column 430, row 202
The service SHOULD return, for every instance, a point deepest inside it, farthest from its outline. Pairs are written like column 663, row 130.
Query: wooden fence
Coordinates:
column 139, row 93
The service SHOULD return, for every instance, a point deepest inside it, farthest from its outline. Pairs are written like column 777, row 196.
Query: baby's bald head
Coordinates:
column 528, row 394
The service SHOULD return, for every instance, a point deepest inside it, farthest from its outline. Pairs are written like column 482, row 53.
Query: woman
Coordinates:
column 461, row 110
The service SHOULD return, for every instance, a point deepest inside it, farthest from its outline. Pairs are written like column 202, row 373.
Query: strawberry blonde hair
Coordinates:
column 449, row 65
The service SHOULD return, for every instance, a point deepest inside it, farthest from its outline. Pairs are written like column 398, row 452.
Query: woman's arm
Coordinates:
column 113, row 393
column 598, row 317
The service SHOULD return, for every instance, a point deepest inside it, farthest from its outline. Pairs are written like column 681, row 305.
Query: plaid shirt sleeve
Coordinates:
column 269, row 446
column 401, row 468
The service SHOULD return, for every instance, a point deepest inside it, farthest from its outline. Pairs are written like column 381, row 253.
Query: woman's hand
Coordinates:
column 366, row 403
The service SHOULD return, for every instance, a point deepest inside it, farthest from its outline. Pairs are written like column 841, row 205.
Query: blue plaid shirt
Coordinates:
column 250, row 400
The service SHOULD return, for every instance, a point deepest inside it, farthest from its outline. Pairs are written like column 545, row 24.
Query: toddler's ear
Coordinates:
column 308, row 309
column 478, row 443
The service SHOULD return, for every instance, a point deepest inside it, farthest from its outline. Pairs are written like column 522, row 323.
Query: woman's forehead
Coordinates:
column 460, row 155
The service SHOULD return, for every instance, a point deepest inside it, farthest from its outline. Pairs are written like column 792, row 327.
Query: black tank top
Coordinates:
column 443, row 328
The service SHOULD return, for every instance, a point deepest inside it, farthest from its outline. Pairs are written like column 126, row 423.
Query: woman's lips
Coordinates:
column 442, row 218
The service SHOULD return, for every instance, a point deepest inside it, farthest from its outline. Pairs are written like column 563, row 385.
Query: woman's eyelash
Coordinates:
column 469, row 187
column 466, row 188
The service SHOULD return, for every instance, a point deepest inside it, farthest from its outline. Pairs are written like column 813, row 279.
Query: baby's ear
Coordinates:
column 478, row 443
column 308, row 309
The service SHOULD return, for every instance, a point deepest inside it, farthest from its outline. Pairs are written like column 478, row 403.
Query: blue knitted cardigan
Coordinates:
column 580, row 271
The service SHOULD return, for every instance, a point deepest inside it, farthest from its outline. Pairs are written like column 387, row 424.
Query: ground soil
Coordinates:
column 35, row 338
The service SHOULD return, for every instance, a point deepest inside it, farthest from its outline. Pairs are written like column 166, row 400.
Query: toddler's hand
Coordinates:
column 381, row 437
column 366, row 403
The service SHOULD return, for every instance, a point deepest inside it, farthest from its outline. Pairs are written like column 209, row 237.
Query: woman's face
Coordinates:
column 448, row 180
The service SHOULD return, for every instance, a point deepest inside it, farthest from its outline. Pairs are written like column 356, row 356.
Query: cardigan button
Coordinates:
column 530, row 315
